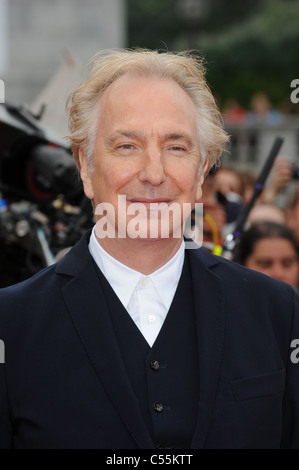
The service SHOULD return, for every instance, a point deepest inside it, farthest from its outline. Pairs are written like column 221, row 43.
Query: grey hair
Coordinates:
column 184, row 68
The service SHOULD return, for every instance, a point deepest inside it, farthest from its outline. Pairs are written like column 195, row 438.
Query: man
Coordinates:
column 133, row 341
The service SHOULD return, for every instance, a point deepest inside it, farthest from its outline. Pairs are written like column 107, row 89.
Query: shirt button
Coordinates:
column 151, row 318
column 158, row 407
column 145, row 282
column 155, row 365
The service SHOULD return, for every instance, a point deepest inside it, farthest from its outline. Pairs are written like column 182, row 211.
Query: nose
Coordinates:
column 152, row 168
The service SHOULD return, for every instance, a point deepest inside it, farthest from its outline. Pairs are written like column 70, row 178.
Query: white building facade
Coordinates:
column 36, row 35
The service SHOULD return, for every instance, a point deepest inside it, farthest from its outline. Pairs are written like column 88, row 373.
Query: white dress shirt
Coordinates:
column 146, row 298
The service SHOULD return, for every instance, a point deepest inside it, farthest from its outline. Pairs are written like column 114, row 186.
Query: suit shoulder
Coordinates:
column 232, row 272
column 27, row 285
column 40, row 294
column 22, row 298
column 45, row 280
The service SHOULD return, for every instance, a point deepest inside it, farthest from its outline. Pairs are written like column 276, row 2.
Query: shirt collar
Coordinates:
column 124, row 280
column 166, row 278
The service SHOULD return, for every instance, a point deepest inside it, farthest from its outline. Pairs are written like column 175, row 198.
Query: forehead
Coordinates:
column 146, row 99
column 274, row 247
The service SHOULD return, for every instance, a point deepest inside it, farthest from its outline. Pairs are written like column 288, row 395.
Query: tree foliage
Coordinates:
column 261, row 54
column 249, row 46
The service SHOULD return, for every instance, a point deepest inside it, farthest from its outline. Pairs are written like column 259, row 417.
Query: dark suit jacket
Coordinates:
column 63, row 384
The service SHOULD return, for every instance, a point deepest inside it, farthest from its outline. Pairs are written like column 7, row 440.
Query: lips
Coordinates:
column 151, row 204
column 150, row 201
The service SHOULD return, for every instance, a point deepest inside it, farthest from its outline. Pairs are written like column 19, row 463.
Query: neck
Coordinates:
column 145, row 256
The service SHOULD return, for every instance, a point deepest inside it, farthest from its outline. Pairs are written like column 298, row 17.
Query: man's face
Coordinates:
column 146, row 146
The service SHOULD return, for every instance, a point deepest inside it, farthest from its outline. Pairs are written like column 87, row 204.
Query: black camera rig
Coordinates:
column 43, row 209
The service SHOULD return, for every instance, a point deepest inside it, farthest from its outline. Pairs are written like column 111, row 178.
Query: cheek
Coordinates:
column 294, row 273
column 114, row 172
column 111, row 182
column 185, row 179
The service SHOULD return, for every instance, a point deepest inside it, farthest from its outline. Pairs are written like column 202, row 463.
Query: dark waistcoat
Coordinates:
column 164, row 378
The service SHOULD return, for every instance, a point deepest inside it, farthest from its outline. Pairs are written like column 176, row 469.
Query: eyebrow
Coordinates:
column 128, row 134
column 172, row 136
column 182, row 136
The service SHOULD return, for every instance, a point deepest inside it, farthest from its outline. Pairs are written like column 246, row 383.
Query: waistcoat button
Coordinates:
column 158, row 407
column 155, row 365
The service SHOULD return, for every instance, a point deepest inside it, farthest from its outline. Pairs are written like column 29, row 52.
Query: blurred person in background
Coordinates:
column 270, row 249
column 227, row 180
column 234, row 113
column 292, row 213
column 228, row 186
column 262, row 112
column 249, row 179
column 215, row 216
column 266, row 213
column 282, row 183
column 222, row 202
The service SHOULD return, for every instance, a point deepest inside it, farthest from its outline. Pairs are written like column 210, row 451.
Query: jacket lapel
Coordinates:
column 86, row 303
column 209, row 300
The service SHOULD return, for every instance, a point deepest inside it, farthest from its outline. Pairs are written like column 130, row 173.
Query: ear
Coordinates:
column 200, row 180
column 85, row 175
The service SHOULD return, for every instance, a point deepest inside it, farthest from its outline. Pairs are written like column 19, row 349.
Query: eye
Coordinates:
column 264, row 264
column 177, row 149
column 288, row 263
column 126, row 147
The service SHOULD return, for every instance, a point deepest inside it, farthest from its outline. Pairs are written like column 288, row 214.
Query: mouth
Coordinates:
column 146, row 201
column 151, row 204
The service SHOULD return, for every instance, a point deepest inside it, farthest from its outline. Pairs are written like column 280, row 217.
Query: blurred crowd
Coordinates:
column 270, row 239
column 261, row 111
